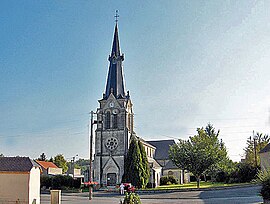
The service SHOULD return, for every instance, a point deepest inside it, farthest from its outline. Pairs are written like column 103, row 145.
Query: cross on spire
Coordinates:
column 116, row 16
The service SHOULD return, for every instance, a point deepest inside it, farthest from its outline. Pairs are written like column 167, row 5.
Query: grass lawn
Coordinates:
column 194, row 185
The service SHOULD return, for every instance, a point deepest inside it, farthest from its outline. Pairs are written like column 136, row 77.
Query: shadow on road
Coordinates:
column 234, row 195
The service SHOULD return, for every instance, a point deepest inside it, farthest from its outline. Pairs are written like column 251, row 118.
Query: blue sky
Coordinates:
column 187, row 63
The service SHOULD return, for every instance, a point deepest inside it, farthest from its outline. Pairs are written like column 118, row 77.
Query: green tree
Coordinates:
column 198, row 153
column 258, row 142
column 1, row 155
column 60, row 161
column 145, row 165
column 83, row 164
column 134, row 168
column 222, row 169
column 42, row 157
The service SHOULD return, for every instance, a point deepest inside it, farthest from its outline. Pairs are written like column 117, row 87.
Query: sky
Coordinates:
column 187, row 64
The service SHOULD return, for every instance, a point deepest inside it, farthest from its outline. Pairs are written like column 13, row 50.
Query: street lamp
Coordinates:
column 255, row 138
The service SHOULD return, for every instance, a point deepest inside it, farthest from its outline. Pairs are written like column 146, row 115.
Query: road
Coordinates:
column 236, row 195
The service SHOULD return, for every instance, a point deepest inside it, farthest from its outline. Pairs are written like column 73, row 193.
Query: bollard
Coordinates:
column 55, row 196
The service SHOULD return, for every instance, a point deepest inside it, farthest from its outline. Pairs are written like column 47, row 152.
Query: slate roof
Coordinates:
column 16, row 164
column 162, row 148
column 46, row 165
column 146, row 143
column 265, row 149
column 170, row 165
column 115, row 80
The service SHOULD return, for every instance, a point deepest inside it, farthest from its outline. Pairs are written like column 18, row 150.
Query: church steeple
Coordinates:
column 115, row 80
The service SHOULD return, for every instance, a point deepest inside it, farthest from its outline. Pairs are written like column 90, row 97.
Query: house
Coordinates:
column 265, row 157
column 161, row 155
column 20, row 180
column 155, row 167
column 49, row 168
column 76, row 174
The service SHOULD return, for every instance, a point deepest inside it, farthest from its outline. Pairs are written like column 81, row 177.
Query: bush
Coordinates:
column 243, row 173
column 45, row 181
column 132, row 198
column 264, row 179
column 76, row 183
column 59, row 182
column 221, row 176
column 167, row 180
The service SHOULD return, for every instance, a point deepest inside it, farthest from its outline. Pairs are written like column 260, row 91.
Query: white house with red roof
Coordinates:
column 49, row 168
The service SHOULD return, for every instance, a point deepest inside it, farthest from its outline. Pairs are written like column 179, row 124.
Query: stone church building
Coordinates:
column 115, row 126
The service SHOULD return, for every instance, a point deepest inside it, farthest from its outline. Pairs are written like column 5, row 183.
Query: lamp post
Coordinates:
column 255, row 148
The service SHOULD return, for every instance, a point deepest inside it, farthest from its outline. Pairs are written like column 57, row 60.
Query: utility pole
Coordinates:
column 91, row 153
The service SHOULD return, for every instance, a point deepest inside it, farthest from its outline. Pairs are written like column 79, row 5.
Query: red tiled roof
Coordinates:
column 46, row 165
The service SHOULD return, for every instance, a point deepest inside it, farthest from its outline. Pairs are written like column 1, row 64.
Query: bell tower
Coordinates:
column 115, row 122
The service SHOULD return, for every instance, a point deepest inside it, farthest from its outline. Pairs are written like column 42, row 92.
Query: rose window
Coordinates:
column 111, row 143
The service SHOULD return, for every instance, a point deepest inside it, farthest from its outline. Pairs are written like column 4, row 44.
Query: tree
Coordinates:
column 198, row 153
column 42, row 157
column 257, row 143
column 145, row 164
column 134, row 169
column 60, row 161
column 1, row 155
column 221, row 170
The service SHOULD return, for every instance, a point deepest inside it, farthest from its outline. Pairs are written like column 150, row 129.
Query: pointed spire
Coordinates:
column 115, row 80
column 116, row 46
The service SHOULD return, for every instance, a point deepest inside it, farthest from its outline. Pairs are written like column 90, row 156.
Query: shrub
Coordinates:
column 167, row 180
column 221, row 176
column 243, row 173
column 264, row 178
column 45, row 181
column 76, row 183
column 60, row 181
column 132, row 198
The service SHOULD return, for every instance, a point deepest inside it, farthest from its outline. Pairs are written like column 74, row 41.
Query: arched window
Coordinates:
column 108, row 120
column 115, row 121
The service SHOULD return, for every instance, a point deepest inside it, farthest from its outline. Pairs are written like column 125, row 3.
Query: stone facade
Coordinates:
column 114, row 123
column 112, row 139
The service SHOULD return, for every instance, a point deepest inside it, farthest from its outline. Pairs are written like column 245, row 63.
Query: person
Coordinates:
column 122, row 186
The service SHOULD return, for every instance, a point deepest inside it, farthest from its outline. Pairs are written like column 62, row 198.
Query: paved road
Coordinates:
column 243, row 195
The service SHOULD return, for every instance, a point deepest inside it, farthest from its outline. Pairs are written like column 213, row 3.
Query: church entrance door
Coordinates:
column 111, row 179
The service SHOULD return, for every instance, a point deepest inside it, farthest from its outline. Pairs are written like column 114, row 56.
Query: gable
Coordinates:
column 46, row 165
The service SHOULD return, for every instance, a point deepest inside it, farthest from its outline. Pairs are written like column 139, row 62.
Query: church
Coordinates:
column 115, row 128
